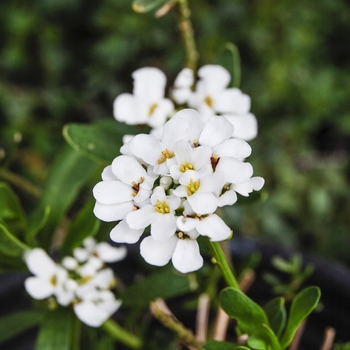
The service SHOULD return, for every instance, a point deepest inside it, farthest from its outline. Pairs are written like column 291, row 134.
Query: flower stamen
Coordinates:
column 186, row 166
column 152, row 109
column 209, row 101
column 162, row 207
column 166, row 154
column 192, row 187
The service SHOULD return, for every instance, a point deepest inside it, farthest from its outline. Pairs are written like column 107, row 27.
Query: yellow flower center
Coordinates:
column 162, row 207
column 186, row 166
column 53, row 280
column 192, row 187
column 209, row 101
column 152, row 109
column 166, row 154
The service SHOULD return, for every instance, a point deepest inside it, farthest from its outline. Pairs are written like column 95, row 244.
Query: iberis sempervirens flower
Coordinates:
column 174, row 183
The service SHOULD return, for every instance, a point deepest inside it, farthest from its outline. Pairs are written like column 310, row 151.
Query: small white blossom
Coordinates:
column 147, row 104
column 160, row 214
column 96, row 307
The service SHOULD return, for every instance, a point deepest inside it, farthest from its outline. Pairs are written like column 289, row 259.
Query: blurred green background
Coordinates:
column 65, row 61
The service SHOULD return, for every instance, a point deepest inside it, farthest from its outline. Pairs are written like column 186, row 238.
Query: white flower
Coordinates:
column 147, row 104
column 115, row 198
column 45, row 270
column 96, row 307
column 210, row 225
column 199, row 191
column 182, row 248
column 182, row 86
column 160, row 214
column 93, row 251
column 159, row 153
column 212, row 95
column 188, row 158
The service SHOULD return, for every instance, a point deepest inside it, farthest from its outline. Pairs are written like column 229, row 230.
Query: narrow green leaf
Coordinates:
column 106, row 343
column 165, row 284
column 100, row 141
column 17, row 322
column 264, row 339
column 276, row 313
column 84, row 225
column 56, row 330
column 11, row 210
column 9, row 244
column 69, row 173
column 302, row 306
column 143, row 6
column 248, row 314
column 222, row 345
column 36, row 222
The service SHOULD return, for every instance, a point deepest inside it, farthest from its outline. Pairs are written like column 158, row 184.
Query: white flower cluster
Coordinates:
column 82, row 281
column 148, row 104
column 174, row 184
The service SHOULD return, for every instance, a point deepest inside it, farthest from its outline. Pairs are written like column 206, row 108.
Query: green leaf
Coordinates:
column 143, row 6
column 9, row 244
column 106, row 343
column 302, row 306
column 100, row 141
column 276, row 313
column 11, row 210
column 56, row 330
column 264, row 339
column 17, row 322
column 36, row 222
column 249, row 315
column 68, row 174
column 165, row 284
column 222, row 345
column 84, row 225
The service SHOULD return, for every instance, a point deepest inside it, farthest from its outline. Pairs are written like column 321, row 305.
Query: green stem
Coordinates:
column 236, row 64
column 19, row 182
column 121, row 335
column 220, row 260
column 164, row 315
column 186, row 29
column 76, row 334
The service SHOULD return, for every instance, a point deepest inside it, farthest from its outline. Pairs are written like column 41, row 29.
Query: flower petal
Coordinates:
column 245, row 126
column 213, row 227
column 235, row 171
column 203, row 203
column 216, row 131
column 235, row 148
column 128, row 169
column 122, row 233
column 140, row 219
column 113, row 212
column 111, row 192
column 38, row 288
column 109, row 254
column 157, row 253
column 39, row 263
column 186, row 257
column 163, row 227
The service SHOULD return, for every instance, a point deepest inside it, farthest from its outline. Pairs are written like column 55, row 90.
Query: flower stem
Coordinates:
column 236, row 64
column 121, row 335
column 160, row 311
column 75, row 334
column 186, row 29
column 220, row 259
column 19, row 182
